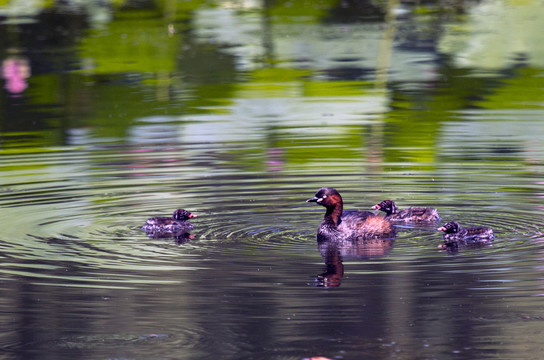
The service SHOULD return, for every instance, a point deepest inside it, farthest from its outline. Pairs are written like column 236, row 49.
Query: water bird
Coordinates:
column 338, row 224
column 411, row 214
column 455, row 235
column 175, row 224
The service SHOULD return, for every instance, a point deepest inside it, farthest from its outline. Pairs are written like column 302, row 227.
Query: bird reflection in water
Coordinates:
column 180, row 237
column 334, row 251
column 453, row 247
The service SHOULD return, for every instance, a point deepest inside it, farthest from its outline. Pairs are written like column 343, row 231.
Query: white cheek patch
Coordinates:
column 319, row 200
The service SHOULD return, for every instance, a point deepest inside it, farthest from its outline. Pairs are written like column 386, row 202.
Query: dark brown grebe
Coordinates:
column 453, row 232
column 177, row 223
column 412, row 214
column 343, row 225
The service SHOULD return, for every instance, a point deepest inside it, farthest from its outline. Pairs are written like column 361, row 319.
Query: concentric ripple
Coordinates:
column 68, row 223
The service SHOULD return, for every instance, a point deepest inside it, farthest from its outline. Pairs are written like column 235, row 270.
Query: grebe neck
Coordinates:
column 334, row 213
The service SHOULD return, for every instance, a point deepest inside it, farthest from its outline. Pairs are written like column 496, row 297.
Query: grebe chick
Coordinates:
column 177, row 223
column 453, row 232
column 411, row 214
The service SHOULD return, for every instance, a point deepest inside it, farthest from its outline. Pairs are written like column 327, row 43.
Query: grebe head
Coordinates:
column 450, row 228
column 387, row 206
column 182, row 215
column 327, row 197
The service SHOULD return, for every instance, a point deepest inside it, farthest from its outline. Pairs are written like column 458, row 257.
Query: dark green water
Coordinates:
column 114, row 113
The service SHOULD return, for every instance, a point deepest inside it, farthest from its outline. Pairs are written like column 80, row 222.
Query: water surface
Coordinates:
column 134, row 115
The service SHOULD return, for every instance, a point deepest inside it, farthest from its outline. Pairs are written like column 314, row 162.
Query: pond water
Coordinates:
column 239, row 112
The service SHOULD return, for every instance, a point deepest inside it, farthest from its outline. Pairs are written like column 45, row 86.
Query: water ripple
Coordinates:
column 76, row 222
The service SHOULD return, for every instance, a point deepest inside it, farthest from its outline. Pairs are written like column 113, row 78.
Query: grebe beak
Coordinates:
column 314, row 199
column 376, row 207
column 441, row 228
column 192, row 216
